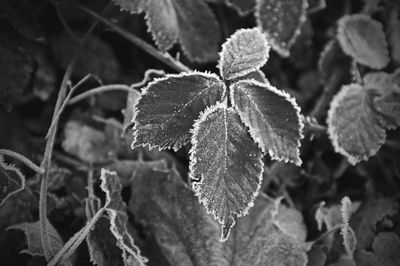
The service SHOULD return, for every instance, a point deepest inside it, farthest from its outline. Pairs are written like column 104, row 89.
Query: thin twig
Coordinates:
column 98, row 90
column 163, row 57
column 23, row 159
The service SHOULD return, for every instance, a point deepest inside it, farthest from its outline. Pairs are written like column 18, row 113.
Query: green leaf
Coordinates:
column 386, row 248
column 281, row 21
column 273, row 117
column 244, row 52
column 168, row 107
column 33, row 238
column 349, row 238
column 116, row 210
column 192, row 23
column 12, row 181
column 187, row 235
column 225, row 165
column 356, row 130
column 363, row 39
column 332, row 58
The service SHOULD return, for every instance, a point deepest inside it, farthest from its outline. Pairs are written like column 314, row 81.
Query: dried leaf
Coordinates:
column 363, row 39
column 168, row 107
column 225, row 165
column 281, row 21
column 356, row 130
column 116, row 210
column 192, row 23
column 12, row 181
column 273, row 117
column 244, row 52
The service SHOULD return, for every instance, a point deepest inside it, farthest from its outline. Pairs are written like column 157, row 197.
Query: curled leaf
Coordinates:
column 244, row 52
column 168, row 107
column 363, row 39
column 225, row 165
column 273, row 117
column 281, row 21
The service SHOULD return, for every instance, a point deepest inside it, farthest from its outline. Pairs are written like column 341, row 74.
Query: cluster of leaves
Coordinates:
column 262, row 158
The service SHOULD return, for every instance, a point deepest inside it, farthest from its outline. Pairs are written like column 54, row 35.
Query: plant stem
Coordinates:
column 163, row 57
column 97, row 90
column 23, row 159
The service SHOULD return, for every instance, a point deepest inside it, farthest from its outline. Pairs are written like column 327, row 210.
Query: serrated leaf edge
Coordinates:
column 290, row 99
column 333, row 134
column 21, row 176
column 340, row 36
column 279, row 47
column 232, row 38
column 145, row 90
column 198, row 183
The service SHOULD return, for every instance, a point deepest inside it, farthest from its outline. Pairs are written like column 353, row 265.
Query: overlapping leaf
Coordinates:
column 356, row 130
column 12, row 181
column 244, row 52
column 225, row 165
column 191, row 22
column 363, row 39
column 168, row 107
column 116, row 210
column 385, row 248
column 281, row 21
column 272, row 116
column 188, row 236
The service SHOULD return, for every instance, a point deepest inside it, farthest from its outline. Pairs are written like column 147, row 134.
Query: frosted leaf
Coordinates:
column 192, row 23
column 188, row 236
column 12, row 181
column 349, row 237
column 257, row 75
column 363, row 39
column 225, row 165
column 257, row 239
column 116, row 210
column 354, row 127
column 273, row 117
column 281, row 21
column 33, row 238
column 185, row 233
column 244, row 52
column 168, row 107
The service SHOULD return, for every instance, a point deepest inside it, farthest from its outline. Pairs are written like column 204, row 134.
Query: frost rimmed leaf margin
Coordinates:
column 274, row 33
column 224, row 215
column 172, row 141
column 244, row 52
column 256, row 131
column 366, row 45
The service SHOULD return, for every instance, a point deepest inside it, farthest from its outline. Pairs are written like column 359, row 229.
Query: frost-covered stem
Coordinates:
column 330, row 89
column 23, row 159
column 98, row 90
column 163, row 57
column 332, row 230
